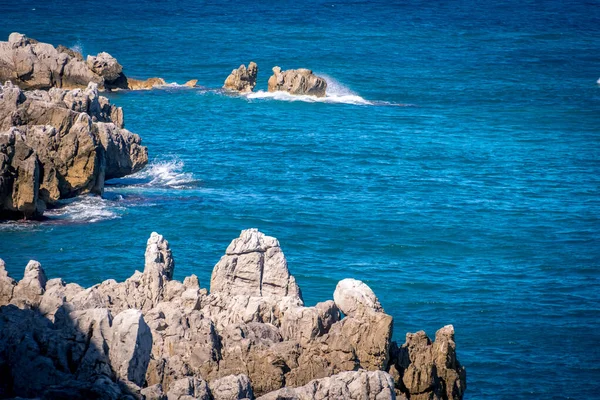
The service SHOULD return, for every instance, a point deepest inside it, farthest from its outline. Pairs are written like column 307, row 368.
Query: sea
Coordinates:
column 454, row 165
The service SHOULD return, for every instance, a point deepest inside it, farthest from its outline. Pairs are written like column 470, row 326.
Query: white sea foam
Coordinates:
column 161, row 174
column 78, row 47
column 336, row 93
column 86, row 209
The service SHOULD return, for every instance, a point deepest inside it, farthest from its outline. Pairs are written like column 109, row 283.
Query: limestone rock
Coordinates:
column 105, row 66
column 30, row 289
column 172, row 339
column 19, row 177
column 131, row 344
column 188, row 389
column 7, row 285
column 34, row 65
column 243, row 79
column 232, row 387
column 355, row 297
column 136, row 84
column 191, row 83
column 297, row 81
column 254, row 265
column 430, row 370
column 59, row 144
column 351, row 385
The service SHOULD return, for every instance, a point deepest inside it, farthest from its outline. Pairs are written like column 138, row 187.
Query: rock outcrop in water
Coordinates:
column 154, row 337
column 242, row 80
column 30, row 64
column 297, row 81
column 58, row 144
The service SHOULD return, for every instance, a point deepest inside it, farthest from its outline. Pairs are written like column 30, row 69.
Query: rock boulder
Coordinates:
column 242, row 80
column 297, row 81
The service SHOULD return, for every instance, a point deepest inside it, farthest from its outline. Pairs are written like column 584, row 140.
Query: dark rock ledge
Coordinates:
column 154, row 337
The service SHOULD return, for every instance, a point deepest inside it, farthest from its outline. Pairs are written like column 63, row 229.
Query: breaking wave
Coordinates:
column 336, row 93
column 169, row 174
column 85, row 209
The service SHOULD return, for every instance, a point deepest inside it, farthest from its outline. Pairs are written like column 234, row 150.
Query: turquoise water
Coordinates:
column 455, row 166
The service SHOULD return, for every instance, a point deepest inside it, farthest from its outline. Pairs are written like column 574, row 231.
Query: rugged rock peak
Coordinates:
column 160, row 338
column 159, row 258
column 430, row 370
column 254, row 265
column 243, row 79
column 297, row 81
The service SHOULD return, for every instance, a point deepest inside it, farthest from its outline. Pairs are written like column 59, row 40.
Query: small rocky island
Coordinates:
column 299, row 82
column 251, row 336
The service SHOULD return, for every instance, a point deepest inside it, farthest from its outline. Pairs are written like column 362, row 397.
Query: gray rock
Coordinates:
column 131, row 345
column 298, row 82
column 29, row 290
column 242, row 80
column 354, row 297
column 7, row 285
column 105, row 66
column 232, row 387
column 188, row 389
column 352, row 385
column 254, row 265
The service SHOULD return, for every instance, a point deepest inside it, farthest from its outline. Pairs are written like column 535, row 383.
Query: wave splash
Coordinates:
column 336, row 93
column 169, row 174
column 85, row 209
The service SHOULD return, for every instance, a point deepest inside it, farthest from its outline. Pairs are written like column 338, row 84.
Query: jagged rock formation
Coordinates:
column 297, row 81
column 30, row 64
column 242, row 80
column 60, row 143
column 153, row 337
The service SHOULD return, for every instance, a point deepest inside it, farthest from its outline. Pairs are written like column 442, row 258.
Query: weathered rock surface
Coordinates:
column 251, row 336
column 351, row 385
column 58, row 144
column 30, row 64
column 297, row 81
column 242, row 80
column 426, row 370
column 354, row 297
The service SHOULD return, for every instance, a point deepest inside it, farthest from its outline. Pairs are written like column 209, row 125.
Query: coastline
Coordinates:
column 152, row 336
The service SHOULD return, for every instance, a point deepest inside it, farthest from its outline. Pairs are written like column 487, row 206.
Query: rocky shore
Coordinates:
column 30, row 64
column 58, row 144
column 250, row 337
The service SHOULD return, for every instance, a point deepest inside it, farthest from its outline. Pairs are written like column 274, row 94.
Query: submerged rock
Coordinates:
column 136, row 84
column 297, row 81
column 251, row 336
column 242, row 80
column 58, row 144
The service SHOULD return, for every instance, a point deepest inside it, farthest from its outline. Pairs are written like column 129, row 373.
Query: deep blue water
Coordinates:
column 461, row 182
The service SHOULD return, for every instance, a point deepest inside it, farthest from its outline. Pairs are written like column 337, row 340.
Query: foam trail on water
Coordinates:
column 168, row 174
column 85, row 209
